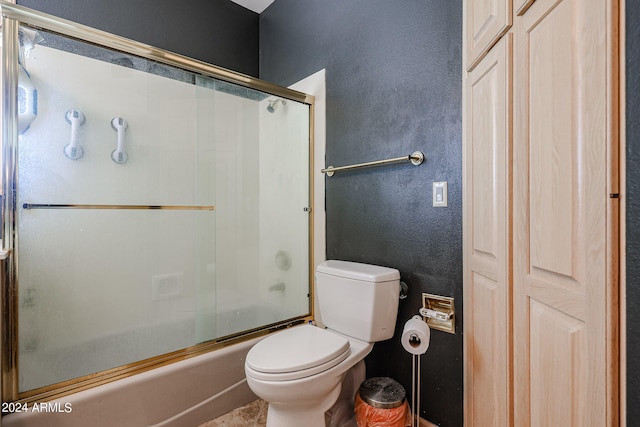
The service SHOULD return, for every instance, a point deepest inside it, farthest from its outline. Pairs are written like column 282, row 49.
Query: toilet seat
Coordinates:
column 296, row 353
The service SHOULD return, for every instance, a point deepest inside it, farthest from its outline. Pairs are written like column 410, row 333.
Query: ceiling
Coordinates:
column 256, row 5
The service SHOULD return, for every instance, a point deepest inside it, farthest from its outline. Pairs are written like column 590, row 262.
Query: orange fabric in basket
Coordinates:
column 368, row 416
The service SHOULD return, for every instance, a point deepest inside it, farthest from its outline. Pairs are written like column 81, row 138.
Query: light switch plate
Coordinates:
column 440, row 194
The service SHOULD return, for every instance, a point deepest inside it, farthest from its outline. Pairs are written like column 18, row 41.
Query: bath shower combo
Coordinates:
column 127, row 275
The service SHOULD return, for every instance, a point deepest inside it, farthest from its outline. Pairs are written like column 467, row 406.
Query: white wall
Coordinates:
column 315, row 85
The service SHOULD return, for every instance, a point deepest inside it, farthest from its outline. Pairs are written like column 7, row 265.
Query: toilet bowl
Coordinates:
column 299, row 371
column 303, row 386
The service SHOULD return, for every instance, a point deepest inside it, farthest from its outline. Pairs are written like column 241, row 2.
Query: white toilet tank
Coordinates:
column 358, row 300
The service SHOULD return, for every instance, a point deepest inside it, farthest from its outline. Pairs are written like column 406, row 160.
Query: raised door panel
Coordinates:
column 556, row 342
column 485, row 22
column 561, row 280
column 486, row 238
column 521, row 6
column 489, row 361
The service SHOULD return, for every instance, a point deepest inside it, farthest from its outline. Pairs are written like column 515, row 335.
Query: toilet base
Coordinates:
column 304, row 401
column 310, row 414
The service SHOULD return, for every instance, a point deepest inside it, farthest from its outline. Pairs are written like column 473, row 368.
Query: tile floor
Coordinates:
column 253, row 414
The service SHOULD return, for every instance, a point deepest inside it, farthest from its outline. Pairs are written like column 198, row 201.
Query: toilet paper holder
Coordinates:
column 439, row 312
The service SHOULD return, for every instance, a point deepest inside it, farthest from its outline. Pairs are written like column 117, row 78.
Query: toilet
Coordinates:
column 299, row 371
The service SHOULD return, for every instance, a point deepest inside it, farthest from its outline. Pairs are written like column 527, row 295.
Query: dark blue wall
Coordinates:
column 633, row 208
column 215, row 31
column 393, row 73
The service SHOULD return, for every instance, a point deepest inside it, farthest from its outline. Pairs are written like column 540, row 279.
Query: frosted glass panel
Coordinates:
column 103, row 282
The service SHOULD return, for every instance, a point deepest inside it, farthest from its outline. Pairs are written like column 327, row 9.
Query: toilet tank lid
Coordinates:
column 358, row 271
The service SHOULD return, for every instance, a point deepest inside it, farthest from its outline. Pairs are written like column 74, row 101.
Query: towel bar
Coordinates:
column 416, row 158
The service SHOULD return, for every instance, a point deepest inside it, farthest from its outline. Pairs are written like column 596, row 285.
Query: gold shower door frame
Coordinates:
column 12, row 16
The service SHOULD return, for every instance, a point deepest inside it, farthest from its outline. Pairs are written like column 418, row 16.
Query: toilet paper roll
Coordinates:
column 416, row 335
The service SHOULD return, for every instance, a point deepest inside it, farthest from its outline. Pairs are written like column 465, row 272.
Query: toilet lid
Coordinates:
column 298, row 349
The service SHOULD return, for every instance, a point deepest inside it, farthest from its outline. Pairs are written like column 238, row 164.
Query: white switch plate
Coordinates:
column 440, row 194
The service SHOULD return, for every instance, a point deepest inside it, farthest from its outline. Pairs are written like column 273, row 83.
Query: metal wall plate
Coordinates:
column 443, row 305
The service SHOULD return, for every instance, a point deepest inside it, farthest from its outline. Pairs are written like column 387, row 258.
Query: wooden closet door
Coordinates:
column 487, row 247
column 564, row 287
column 485, row 21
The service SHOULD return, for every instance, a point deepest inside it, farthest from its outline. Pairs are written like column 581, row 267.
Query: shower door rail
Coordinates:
column 36, row 19
column 29, row 206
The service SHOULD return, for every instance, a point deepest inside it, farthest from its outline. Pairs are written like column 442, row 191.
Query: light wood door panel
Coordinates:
column 520, row 6
column 562, row 285
column 487, row 336
column 485, row 22
column 556, row 341
column 490, row 347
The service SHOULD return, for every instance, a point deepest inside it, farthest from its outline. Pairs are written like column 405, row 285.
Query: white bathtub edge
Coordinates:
column 188, row 392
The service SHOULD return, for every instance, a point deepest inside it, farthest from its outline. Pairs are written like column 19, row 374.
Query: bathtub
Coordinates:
column 181, row 394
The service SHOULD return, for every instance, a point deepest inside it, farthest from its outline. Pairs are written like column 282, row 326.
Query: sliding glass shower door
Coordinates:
column 156, row 208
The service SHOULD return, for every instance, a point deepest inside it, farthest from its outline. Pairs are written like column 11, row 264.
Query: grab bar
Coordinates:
column 416, row 158
column 137, row 207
